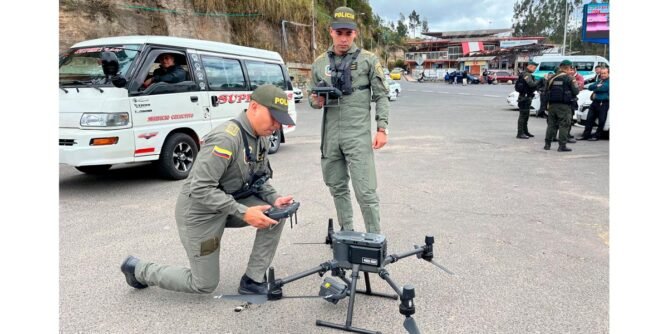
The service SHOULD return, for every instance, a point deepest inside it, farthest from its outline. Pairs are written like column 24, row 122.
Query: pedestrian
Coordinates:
column 599, row 107
column 227, row 188
column 346, row 143
column 465, row 78
column 526, row 85
column 561, row 89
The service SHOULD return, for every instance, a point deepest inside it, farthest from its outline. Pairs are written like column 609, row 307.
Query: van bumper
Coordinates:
column 75, row 149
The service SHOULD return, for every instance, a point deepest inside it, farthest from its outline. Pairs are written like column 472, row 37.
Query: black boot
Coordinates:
column 572, row 141
column 522, row 136
column 128, row 269
column 528, row 134
column 563, row 148
column 548, row 143
column 249, row 287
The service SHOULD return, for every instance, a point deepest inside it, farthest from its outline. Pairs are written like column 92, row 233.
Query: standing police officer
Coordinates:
column 526, row 85
column 560, row 90
column 346, row 144
column 227, row 187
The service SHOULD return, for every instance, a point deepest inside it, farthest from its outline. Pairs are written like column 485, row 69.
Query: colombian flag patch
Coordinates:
column 221, row 152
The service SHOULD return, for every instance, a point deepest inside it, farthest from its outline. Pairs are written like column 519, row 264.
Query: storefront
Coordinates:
column 475, row 65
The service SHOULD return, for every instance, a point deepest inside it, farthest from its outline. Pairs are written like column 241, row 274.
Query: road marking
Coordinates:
column 428, row 91
column 493, row 95
column 464, row 94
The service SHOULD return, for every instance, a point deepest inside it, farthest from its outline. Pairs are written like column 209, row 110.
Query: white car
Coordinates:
column 394, row 85
column 583, row 111
column 298, row 95
column 583, row 98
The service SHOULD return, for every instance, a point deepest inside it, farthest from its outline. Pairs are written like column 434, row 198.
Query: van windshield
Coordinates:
column 81, row 65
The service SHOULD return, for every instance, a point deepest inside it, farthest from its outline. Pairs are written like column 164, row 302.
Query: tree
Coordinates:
column 402, row 29
column 413, row 21
column 546, row 18
column 425, row 26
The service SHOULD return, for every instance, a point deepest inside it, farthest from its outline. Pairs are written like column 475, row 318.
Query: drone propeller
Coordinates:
column 411, row 325
column 256, row 299
column 431, row 260
column 253, row 299
column 440, row 267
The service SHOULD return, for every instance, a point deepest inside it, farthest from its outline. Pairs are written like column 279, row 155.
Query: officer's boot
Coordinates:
column 563, row 148
column 520, row 130
column 548, row 144
column 525, row 127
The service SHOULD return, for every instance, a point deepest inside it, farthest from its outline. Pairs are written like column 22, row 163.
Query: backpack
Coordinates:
column 520, row 85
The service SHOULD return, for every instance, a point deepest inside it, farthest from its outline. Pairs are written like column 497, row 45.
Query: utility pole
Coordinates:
column 313, row 46
column 563, row 48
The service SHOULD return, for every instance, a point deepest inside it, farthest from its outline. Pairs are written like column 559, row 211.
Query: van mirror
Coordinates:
column 109, row 63
column 110, row 66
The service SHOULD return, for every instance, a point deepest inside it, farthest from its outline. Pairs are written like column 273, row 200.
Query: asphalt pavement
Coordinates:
column 524, row 230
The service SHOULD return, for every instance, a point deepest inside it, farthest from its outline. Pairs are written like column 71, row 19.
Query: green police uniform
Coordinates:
column 346, row 142
column 206, row 206
column 524, row 102
column 559, row 112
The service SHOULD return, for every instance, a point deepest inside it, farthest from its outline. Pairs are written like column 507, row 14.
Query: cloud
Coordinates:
column 450, row 15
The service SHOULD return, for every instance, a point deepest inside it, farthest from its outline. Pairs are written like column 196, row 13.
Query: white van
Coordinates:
column 108, row 116
column 585, row 65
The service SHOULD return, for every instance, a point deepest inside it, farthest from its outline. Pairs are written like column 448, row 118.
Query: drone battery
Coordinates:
column 333, row 290
column 366, row 249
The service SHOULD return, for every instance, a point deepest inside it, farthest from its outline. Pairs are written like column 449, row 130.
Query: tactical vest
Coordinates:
column 342, row 77
column 521, row 85
column 558, row 90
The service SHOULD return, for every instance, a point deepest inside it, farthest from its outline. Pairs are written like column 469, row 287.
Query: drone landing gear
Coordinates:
column 409, row 309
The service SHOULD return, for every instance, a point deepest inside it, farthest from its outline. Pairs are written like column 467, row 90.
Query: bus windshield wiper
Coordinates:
column 86, row 83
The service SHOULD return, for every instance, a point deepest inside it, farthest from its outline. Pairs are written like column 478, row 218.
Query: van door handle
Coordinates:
column 194, row 99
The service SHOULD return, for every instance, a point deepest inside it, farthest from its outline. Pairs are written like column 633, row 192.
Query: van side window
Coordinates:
column 265, row 73
column 164, row 72
column 223, row 74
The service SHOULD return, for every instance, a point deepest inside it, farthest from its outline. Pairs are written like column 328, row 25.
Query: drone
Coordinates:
column 358, row 252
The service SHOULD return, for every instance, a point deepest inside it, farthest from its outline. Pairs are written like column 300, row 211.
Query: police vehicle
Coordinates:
column 114, row 120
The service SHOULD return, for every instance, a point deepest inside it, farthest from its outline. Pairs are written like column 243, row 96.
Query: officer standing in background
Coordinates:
column 346, row 142
column 227, row 187
column 527, row 86
column 560, row 90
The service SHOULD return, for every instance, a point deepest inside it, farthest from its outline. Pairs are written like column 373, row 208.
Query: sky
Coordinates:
column 450, row 15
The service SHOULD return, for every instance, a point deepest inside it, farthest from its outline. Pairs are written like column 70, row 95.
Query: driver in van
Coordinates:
column 168, row 71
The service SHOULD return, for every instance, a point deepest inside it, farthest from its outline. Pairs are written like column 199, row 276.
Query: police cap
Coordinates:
column 566, row 62
column 274, row 99
column 344, row 18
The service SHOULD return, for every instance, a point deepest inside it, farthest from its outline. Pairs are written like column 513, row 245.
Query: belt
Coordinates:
column 361, row 87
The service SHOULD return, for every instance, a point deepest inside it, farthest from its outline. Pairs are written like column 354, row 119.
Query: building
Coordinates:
column 472, row 50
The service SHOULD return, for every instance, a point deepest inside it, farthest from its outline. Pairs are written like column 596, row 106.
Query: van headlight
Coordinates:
column 106, row 119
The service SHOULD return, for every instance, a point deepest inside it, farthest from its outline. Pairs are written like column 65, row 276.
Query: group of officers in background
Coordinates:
column 559, row 100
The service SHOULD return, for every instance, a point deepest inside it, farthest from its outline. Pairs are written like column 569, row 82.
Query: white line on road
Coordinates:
column 493, row 95
column 428, row 91
column 464, row 94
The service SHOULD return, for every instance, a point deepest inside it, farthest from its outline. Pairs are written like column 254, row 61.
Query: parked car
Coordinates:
column 584, row 98
column 394, row 86
column 583, row 111
column 473, row 79
column 501, row 76
column 298, row 95
column 396, row 73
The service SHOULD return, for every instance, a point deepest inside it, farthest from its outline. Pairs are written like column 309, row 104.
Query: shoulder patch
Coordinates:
column 232, row 129
column 379, row 70
column 221, row 152
column 367, row 53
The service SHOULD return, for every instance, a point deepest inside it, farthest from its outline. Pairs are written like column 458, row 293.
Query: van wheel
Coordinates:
column 177, row 157
column 94, row 170
column 275, row 141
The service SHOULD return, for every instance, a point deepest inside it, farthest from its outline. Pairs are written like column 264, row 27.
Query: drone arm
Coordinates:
column 396, row 257
column 322, row 268
column 385, row 275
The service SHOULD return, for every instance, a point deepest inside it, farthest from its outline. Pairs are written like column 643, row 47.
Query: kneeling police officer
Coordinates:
column 227, row 187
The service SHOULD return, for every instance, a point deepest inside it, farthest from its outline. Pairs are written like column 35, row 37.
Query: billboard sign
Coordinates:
column 509, row 44
column 596, row 23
